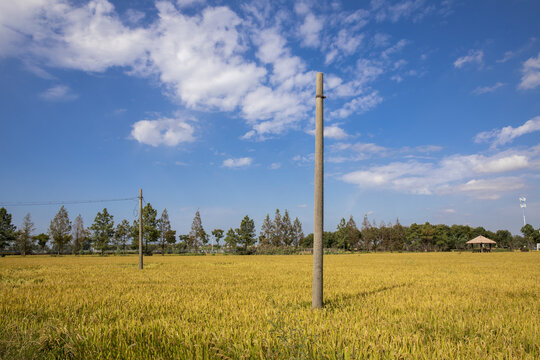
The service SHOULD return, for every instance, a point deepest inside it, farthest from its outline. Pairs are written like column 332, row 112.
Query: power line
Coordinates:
column 63, row 202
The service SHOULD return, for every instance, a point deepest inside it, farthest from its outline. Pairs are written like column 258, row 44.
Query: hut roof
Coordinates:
column 481, row 240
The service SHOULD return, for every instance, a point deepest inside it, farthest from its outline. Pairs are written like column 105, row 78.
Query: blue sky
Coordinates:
column 432, row 109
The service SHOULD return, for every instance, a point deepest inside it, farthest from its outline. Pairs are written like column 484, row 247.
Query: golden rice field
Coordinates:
column 381, row 306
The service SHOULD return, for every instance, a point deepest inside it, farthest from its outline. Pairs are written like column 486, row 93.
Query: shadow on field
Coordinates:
column 340, row 301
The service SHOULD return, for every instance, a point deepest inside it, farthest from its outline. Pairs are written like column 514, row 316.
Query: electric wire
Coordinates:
column 64, row 202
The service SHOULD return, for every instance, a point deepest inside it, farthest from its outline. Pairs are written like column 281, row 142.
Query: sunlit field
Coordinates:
column 428, row 305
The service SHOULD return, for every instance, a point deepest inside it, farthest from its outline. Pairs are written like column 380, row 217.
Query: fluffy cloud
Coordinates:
column 204, row 60
column 237, row 163
column 531, row 74
column 452, row 174
column 332, row 132
column 311, row 26
column 58, row 93
column 168, row 132
column 474, row 56
column 508, row 133
column 490, row 189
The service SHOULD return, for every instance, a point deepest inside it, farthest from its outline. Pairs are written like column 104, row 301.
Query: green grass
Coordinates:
column 388, row 306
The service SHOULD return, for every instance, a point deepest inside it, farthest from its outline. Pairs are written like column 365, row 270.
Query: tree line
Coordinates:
column 279, row 234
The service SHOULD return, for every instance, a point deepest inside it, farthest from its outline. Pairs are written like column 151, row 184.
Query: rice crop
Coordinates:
column 381, row 306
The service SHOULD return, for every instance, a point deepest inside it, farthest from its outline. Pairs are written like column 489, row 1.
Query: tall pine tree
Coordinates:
column 197, row 235
column 60, row 230
column 7, row 229
column 164, row 230
column 265, row 237
column 103, row 228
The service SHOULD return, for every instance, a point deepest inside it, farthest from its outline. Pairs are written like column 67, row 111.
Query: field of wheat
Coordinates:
column 432, row 305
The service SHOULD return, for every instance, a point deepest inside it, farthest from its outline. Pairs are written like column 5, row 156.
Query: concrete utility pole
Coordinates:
column 140, row 231
column 317, row 301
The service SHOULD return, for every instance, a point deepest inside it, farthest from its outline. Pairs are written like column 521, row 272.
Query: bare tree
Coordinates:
column 79, row 234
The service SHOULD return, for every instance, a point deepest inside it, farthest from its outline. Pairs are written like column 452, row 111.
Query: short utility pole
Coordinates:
column 140, row 231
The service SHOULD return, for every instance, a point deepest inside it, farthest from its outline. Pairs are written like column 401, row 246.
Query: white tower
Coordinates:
column 523, row 205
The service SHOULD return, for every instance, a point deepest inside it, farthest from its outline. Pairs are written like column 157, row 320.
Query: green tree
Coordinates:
column 277, row 230
column 164, row 228
column 184, row 241
column 170, row 237
column 246, row 233
column 398, row 237
column 287, row 229
column 267, row 228
column 427, row 236
column 103, row 228
column 531, row 235
column 341, row 234
column 150, row 229
column 328, row 240
column 122, row 233
column 298, row 233
column 367, row 234
column 218, row 235
column 7, row 229
column 231, row 239
column 440, row 237
column 42, row 240
column 25, row 241
column 197, row 235
column 60, row 230
column 503, row 238
column 80, row 234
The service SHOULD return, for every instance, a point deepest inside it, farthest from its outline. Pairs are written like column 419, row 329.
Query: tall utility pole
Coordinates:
column 140, row 231
column 317, row 301
column 523, row 205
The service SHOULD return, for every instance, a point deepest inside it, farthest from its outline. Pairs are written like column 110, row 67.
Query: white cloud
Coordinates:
column 508, row 133
column 474, row 56
column 304, row 159
column 198, row 58
column 358, row 105
column 394, row 49
column 59, row 93
column 449, row 211
column 531, row 74
column 168, row 132
column 275, row 166
column 502, row 164
column 388, row 175
column 237, row 163
column 490, row 189
column 202, row 60
column 332, row 132
column 487, row 89
column 344, row 43
column 311, row 26
column 134, row 16
column 452, row 174
column 395, row 12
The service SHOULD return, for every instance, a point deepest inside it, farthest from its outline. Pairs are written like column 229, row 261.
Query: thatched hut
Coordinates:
column 482, row 242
